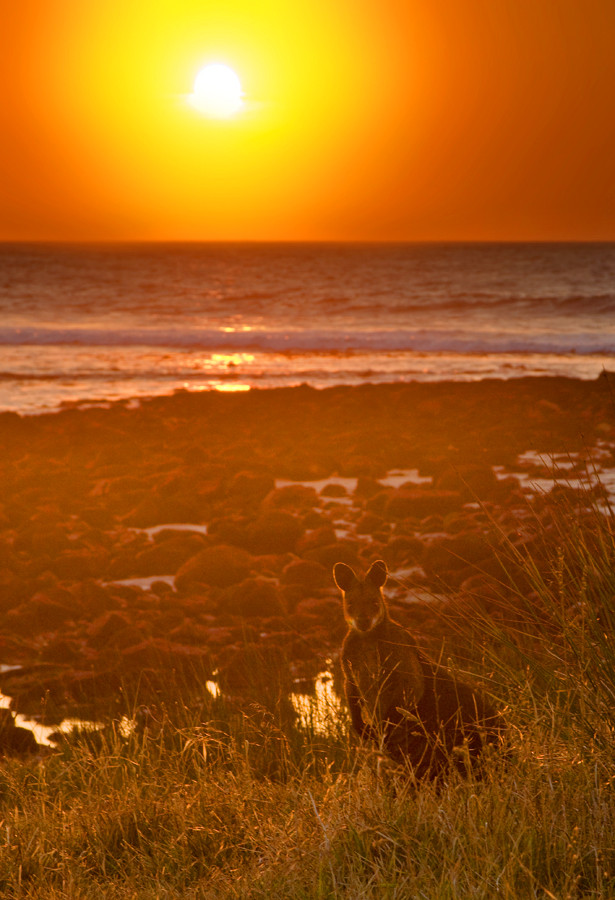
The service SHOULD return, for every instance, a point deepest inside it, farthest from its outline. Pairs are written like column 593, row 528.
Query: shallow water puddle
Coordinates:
column 42, row 733
column 144, row 583
column 318, row 711
column 401, row 586
column 344, row 529
column 349, row 483
column 579, row 471
column 176, row 526
column 346, row 533
column 397, row 477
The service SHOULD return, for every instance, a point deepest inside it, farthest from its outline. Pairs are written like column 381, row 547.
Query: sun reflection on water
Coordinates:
column 232, row 359
column 231, row 388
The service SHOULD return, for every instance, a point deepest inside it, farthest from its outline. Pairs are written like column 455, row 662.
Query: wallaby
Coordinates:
column 416, row 713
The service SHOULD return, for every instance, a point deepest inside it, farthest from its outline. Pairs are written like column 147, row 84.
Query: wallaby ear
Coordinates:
column 343, row 576
column 377, row 573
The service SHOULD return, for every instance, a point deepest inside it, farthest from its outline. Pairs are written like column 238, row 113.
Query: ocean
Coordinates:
column 88, row 324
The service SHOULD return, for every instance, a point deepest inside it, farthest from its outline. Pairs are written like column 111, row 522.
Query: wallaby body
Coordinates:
column 396, row 697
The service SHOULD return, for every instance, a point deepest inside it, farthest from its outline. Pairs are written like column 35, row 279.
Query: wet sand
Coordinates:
column 104, row 600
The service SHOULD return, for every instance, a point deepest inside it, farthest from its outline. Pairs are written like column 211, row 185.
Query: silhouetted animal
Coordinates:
column 398, row 698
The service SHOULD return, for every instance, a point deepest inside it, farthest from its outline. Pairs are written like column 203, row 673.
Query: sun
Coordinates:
column 217, row 91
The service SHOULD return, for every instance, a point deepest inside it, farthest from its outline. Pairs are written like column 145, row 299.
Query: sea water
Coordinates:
column 97, row 323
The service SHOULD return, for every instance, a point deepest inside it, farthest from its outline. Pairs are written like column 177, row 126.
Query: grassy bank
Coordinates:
column 222, row 801
column 155, row 817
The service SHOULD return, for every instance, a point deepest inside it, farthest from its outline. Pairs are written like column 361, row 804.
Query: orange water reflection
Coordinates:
column 231, row 388
column 231, row 359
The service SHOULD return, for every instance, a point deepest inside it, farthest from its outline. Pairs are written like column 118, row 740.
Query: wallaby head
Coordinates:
column 364, row 606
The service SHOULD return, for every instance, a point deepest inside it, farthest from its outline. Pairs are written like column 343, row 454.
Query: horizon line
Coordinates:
column 298, row 241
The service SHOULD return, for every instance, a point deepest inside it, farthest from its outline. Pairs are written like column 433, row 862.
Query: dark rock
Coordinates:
column 161, row 654
column 431, row 524
column 194, row 633
column 291, row 496
column 40, row 538
column 11, row 424
column 83, row 686
column 254, row 667
column 507, row 489
column 161, row 588
column 313, row 518
column 229, row 529
column 115, row 630
column 79, row 564
column 370, row 523
column 485, row 591
column 125, row 594
column 327, row 556
column 13, row 590
column 474, row 482
column 269, row 565
column 38, row 614
column 123, row 556
column 377, row 503
column 294, row 593
column 471, row 546
column 221, row 566
column 104, row 627
column 14, row 740
column 97, row 517
column 403, row 503
column 8, row 557
column 275, row 531
column 251, row 486
column 333, row 490
column 168, row 554
column 321, row 536
column 253, row 597
column 403, row 550
column 362, row 466
column 94, row 598
column 367, row 487
column 156, row 510
column 307, row 573
column 457, row 558
column 321, row 620
column 216, row 637
column 62, row 650
column 326, row 609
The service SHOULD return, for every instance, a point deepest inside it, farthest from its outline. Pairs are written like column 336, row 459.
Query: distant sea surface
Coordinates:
column 95, row 323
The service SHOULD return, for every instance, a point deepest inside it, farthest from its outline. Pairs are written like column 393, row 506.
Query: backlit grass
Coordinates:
column 215, row 801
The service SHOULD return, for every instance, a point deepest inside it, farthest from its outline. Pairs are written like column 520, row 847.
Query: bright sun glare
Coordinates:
column 217, row 91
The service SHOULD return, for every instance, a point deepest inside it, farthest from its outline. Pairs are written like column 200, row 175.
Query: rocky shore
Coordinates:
column 191, row 538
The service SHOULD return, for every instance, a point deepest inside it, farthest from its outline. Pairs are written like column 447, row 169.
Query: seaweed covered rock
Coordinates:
column 220, row 566
column 253, row 597
column 275, row 531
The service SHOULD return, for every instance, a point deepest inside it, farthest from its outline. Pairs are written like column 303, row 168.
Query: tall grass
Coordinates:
column 153, row 817
column 219, row 801
column 557, row 615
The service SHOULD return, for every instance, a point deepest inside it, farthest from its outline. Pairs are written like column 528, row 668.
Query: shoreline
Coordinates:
column 87, row 494
column 134, row 375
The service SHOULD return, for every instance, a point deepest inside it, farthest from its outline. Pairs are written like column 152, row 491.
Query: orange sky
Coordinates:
column 364, row 120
